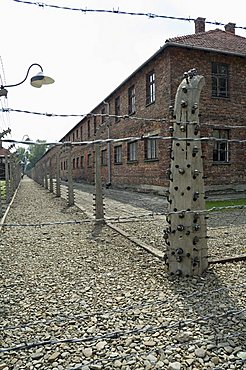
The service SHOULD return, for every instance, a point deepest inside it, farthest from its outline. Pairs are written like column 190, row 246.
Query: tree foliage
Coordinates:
column 30, row 156
column 35, row 152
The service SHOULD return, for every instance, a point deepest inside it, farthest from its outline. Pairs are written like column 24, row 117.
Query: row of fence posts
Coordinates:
column 43, row 174
column 10, row 180
column 186, row 234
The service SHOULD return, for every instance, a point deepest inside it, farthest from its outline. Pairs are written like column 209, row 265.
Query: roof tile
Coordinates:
column 215, row 39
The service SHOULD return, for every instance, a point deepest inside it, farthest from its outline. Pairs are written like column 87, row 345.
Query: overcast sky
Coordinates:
column 88, row 55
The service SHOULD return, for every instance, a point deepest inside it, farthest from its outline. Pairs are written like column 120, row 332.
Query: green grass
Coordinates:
column 225, row 203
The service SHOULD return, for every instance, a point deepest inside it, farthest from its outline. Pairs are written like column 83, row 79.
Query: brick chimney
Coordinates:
column 230, row 27
column 200, row 25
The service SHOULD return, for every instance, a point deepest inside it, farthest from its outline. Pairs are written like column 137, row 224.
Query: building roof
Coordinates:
column 219, row 40
column 214, row 40
column 4, row 151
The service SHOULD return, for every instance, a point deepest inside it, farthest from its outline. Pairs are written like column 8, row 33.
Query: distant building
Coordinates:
column 3, row 153
column 220, row 56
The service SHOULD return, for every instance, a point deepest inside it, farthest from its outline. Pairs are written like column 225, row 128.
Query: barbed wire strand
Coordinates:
column 121, row 333
column 118, row 12
column 158, row 302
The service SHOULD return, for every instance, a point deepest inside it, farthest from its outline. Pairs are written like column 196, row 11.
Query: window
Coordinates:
column 77, row 162
column 73, row 136
column 73, row 163
column 131, row 100
column 61, row 166
column 77, row 134
column 82, row 161
column 104, row 157
column 150, row 88
column 89, row 160
column 103, row 112
column 220, row 80
column 81, row 133
column 150, row 148
column 88, row 129
column 118, row 154
column 95, row 125
column 221, row 148
column 117, row 108
column 132, row 151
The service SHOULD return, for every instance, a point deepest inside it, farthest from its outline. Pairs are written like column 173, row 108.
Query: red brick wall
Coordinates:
column 169, row 67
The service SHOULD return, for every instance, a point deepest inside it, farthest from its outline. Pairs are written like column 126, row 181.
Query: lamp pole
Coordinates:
column 36, row 81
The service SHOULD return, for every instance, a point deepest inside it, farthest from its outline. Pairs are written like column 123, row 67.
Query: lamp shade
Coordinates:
column 40, row 79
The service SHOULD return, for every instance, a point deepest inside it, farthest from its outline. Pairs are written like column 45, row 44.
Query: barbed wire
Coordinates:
column 42, row 224
column 158, row 302
column 121, row 333
column 118, row 12
column 130, row 138
column 123, row 117
column 125, row 219
column 85, row 115
column 159, row 350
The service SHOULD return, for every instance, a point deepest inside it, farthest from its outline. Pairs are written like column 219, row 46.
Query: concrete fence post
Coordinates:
column 99, row 211
column 186, row 236
column 7, row 180
column 45, row 176
column 58, row 174
column 51, row 176
column 70, row 177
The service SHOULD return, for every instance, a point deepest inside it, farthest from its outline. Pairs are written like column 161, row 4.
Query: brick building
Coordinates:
column 218, row 55
column 3, row 153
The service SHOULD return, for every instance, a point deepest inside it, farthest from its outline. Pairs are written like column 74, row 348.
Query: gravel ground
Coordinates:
column 80, row 296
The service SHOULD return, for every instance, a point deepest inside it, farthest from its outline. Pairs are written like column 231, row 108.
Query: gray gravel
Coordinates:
column 80, row 296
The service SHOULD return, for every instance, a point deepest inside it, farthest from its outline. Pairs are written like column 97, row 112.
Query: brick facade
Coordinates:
column 204, row 51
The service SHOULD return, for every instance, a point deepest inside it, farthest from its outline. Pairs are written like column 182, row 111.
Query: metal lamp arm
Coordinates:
column 34, row 64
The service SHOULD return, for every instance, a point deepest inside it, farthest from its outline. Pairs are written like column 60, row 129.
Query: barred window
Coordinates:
column 221, row 148
column 132, row 151
column 104, row 157
column 150, row 88
column 82, row 161
column 103, row 112
column 220, row 80
column 95, row 125
column 117, row 108
column 118, row 154
column 89, row 160
column 131, row 100
column 150, row 148
column 89, row 129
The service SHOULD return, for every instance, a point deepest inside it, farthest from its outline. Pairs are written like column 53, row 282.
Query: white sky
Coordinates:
column 88, row 55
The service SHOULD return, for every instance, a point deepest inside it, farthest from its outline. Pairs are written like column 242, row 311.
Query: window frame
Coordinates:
column 150, row 88
column 132, row 100
column 89, row 160
column 132, row 149
column 151, row 149
column 117, row 108
column 118, row 154
column 221, row 149
column 218, row 79
column 104, row 158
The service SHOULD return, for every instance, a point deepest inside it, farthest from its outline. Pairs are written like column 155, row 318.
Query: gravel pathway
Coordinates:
column 80, row 296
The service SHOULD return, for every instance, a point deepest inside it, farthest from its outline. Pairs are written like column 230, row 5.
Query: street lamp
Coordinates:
column 36, row 81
